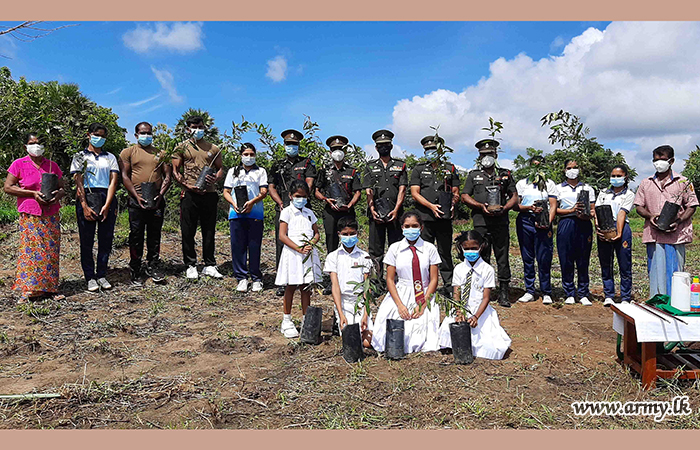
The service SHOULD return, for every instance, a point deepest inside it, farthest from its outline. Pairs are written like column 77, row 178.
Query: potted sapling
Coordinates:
column 49, row 182
column 539, row 179
column 444, row 193
column 606, row 222
column 494, row 196
column 670, row 210
column 94, row 200
column 311, row 326
column 367, row 292
column 460, row 332
column 149, row 189
column 207, row 170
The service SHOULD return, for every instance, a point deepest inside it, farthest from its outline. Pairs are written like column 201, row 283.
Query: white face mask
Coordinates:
column 571, row 174
column 35, row 149
column 662, row 166
column 338, row 155
column 248, row 160
column 488, row 161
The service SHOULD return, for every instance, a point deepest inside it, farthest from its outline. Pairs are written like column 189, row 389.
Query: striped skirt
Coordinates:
column 39, row 250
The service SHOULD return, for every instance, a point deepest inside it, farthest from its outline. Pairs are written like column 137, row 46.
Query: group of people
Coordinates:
column 420, row 242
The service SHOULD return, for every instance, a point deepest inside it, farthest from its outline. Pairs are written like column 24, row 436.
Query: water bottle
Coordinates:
column 695, row 295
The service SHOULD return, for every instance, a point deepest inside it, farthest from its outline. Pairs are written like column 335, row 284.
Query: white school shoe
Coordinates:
column 608, row 301
column 104, row 284
column 242, row 286
column 585, row 302
column 569, row 301
column 526, row 298
column 211, row 271
column 93, row 286
column 288, row 329
column 192, row 273
column 546, row 300
column 257, row 286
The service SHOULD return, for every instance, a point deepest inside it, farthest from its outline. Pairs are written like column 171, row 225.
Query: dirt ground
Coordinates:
column 200, row 355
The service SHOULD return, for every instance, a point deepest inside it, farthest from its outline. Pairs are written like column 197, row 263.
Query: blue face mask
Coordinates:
column 97, row 141
column 299, row 202
column 411, row 233
column 291, row 149
column 349, row 241
column 145, row 139
column 198, row 133
column 471, row 255
column 617, row 181
column 431, row 154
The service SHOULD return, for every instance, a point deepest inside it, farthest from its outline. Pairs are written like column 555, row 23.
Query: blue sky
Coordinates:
column 351, row 77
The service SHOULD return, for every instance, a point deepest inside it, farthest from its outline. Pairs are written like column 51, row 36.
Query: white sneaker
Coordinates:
column 93, row 286
column 192, row 273
column 211, row 271
column 608, row 301
column 242, row 286
column 585, row 302
column 288, row 329
column 569, row 301
column 526, row 298
column 546, row 300
column 104, row 284
column 257, row 286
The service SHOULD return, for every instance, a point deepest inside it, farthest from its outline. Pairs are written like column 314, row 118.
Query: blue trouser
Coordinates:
column 105, row 236
column 606, row 253
column 535, row 244
column 662, row 261
column 246, row 241
column 574, row 243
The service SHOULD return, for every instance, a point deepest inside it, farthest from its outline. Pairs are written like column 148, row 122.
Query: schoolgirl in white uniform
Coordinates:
column 296, row 268
column 416, row 264
column 472, row 282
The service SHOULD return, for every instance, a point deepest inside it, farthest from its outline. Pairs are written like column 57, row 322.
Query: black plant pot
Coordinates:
column 606, row 221
column 241, row 193
column 445, row 201
column 311, row 330
column 202, row 180
column 95, row 200
column 493, row 198
column 394, row 339
column 49, row 183
column 339, row 194
column 149, row 192
column 542, row 218
column 585, row 202
column 383, row 207
column 668, row 215
column 352, row 343
column 461, row 335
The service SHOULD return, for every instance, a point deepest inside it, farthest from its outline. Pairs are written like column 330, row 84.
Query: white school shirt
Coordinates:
column 567, row 195
column 299, row 223
column 483, row 277
column 624, row 200
column 529, row 193
column 401, row 257
column 349, row 267
column 254, row 179
column 98, row 168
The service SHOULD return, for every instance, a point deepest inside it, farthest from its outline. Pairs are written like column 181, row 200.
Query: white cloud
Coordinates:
column 8, row 47
column 167, row 82
column 277, row 69
column 143, row 102
column 182, row 37
column 633, row 83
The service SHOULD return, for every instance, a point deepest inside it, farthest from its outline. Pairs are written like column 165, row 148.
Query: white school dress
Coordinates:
column 349, row 267
column 489, row 339
column 292, row 269
column 421, row 334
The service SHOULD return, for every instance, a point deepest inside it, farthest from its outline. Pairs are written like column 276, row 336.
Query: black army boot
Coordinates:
column 503, row 295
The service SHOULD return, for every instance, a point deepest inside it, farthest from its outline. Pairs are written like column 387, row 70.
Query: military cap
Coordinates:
column 336, row 141
column 382, row 137
column 292, row 136
column 430, row 142
column 487, row 145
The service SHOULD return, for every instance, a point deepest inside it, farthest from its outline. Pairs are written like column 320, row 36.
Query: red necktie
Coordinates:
column 417, row 278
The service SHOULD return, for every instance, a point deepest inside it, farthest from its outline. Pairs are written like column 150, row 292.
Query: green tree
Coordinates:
column 692, row 168
column 569, row 132
column 59, row 112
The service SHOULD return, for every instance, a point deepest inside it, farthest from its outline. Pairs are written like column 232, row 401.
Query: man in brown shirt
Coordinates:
column 198, row 205
column 139, row 164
